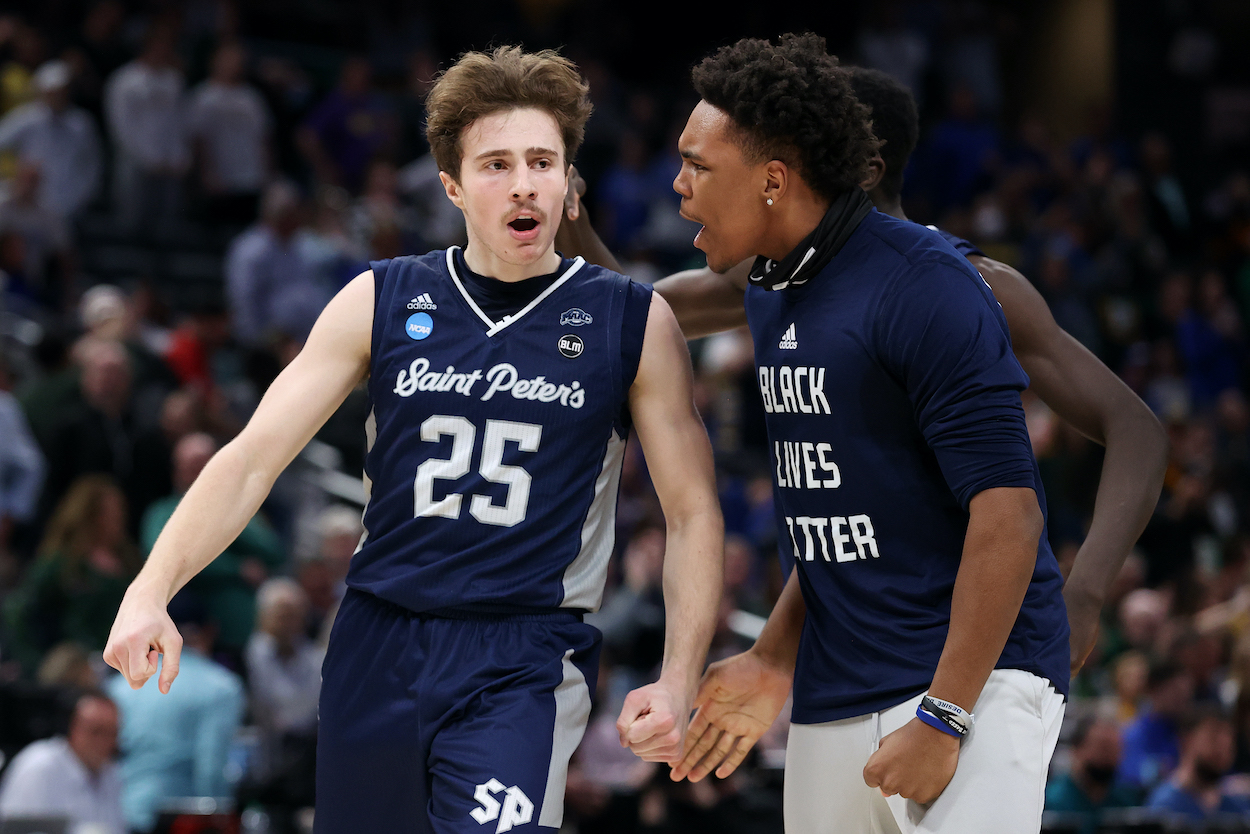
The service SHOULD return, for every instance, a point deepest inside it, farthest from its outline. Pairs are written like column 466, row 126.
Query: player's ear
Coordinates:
column 876, row 170
column 452, row 188
column 776, row 181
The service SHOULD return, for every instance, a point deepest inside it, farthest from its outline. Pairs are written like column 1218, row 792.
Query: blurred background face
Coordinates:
column 1173, row 696
column 1211, row 745
column 93, row 732
column 1098, row 754
column 111, row 519
column 228, row 65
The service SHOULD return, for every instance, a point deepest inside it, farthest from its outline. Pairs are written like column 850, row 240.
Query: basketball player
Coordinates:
column 904, row 481
column 504, row 380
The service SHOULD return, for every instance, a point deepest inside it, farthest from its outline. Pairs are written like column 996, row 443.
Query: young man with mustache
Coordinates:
column 504, row 381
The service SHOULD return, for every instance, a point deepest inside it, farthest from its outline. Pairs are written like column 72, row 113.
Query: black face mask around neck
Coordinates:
column 818, row 248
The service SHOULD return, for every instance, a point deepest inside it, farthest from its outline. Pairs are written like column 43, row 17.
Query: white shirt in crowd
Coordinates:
column 284, row 689
column 47, row 779
column 65, row 146
column 144, row 108
column 233, row 124
column 22, row 466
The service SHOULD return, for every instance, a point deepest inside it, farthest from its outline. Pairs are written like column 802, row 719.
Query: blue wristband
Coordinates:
column 935, row 722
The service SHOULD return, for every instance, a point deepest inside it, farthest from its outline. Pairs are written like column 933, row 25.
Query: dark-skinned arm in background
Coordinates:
column 1087, row 394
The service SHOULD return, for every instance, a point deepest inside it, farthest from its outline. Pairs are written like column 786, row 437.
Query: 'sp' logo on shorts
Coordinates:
column 419, row 326
column 571, row 346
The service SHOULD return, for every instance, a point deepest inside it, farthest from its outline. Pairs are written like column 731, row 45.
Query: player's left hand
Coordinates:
column 915, row 761
column 653, row 722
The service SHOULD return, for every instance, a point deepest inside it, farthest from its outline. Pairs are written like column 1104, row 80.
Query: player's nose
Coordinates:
column 523, row 184
column 681, row 183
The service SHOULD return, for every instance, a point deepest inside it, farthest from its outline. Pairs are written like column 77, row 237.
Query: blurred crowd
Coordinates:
column 178, row 201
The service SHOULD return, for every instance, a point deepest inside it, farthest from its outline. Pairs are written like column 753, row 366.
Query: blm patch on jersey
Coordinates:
column 571, row 346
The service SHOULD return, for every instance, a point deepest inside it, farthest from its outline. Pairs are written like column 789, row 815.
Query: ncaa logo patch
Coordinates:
column 419, row 326
column 575, row 317
column 571, row 346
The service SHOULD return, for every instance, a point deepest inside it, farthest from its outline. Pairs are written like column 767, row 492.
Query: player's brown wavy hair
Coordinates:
column 482, row 83
column 792, row 101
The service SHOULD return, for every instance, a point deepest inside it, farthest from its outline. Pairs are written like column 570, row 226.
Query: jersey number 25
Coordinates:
column 491, row 467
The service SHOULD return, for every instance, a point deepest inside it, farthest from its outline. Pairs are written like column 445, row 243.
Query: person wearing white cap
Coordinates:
column 58, row 138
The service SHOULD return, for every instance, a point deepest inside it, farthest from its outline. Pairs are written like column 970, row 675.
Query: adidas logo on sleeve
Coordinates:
column 422, row 302
column 789, row 341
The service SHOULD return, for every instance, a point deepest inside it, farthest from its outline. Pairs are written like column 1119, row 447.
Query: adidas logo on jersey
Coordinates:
column 516, row 808
column 422, row 302
column 789, row 341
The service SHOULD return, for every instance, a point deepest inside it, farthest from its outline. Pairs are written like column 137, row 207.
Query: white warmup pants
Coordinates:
column 998, row 787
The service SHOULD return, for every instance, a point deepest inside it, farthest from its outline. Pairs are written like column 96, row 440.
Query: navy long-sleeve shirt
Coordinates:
column 892, row 398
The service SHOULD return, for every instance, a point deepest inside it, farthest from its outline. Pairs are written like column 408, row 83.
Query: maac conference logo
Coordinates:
column 571, row 346
column 516, row 808
column 575, row 317
column 419, row 326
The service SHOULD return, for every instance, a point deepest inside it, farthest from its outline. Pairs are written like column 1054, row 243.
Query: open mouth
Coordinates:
column 524, row 224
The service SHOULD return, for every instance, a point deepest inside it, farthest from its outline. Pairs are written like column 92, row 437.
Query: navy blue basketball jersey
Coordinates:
column 964, row 247
column 495, row 448
column 892, row 397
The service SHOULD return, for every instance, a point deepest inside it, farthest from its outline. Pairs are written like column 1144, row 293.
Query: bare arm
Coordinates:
column 679, row 457
column 1086, row 393
column 999, row 555
column 704, row 302
column 234, row 483
column 576, row 235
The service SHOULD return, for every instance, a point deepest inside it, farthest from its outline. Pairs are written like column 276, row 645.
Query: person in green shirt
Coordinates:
column 73, row 588
column 228, row 585
column 1090, row 786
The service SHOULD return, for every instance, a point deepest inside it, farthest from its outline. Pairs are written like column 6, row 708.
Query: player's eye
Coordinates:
column 496, row 165
column 543, row 163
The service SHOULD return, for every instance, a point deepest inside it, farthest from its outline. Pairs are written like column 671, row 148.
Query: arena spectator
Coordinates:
column 101, row 434
column 22, row 466
column 176, row 745
column 144, row 105
column 46, row 241
column 73, row 588
column 229, row 124
column 28, row 49
column 284, row 679
column 72, row 777
column 227, row 587
column 1090, row 784
column 269, row 277
column 1151, row 742
column 347, row 129
column 59, row 140
column 1194, row 790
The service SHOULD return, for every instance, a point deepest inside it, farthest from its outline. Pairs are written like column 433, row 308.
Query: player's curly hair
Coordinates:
column 895, row 121
column 482, row 83
column 792, row 102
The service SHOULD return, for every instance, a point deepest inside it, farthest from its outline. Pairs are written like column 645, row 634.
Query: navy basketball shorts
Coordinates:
column 435, row 725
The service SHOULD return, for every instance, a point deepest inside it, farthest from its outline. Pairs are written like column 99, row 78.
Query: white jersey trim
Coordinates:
column 584, row 578
column 493, row 327
column 572, row 712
